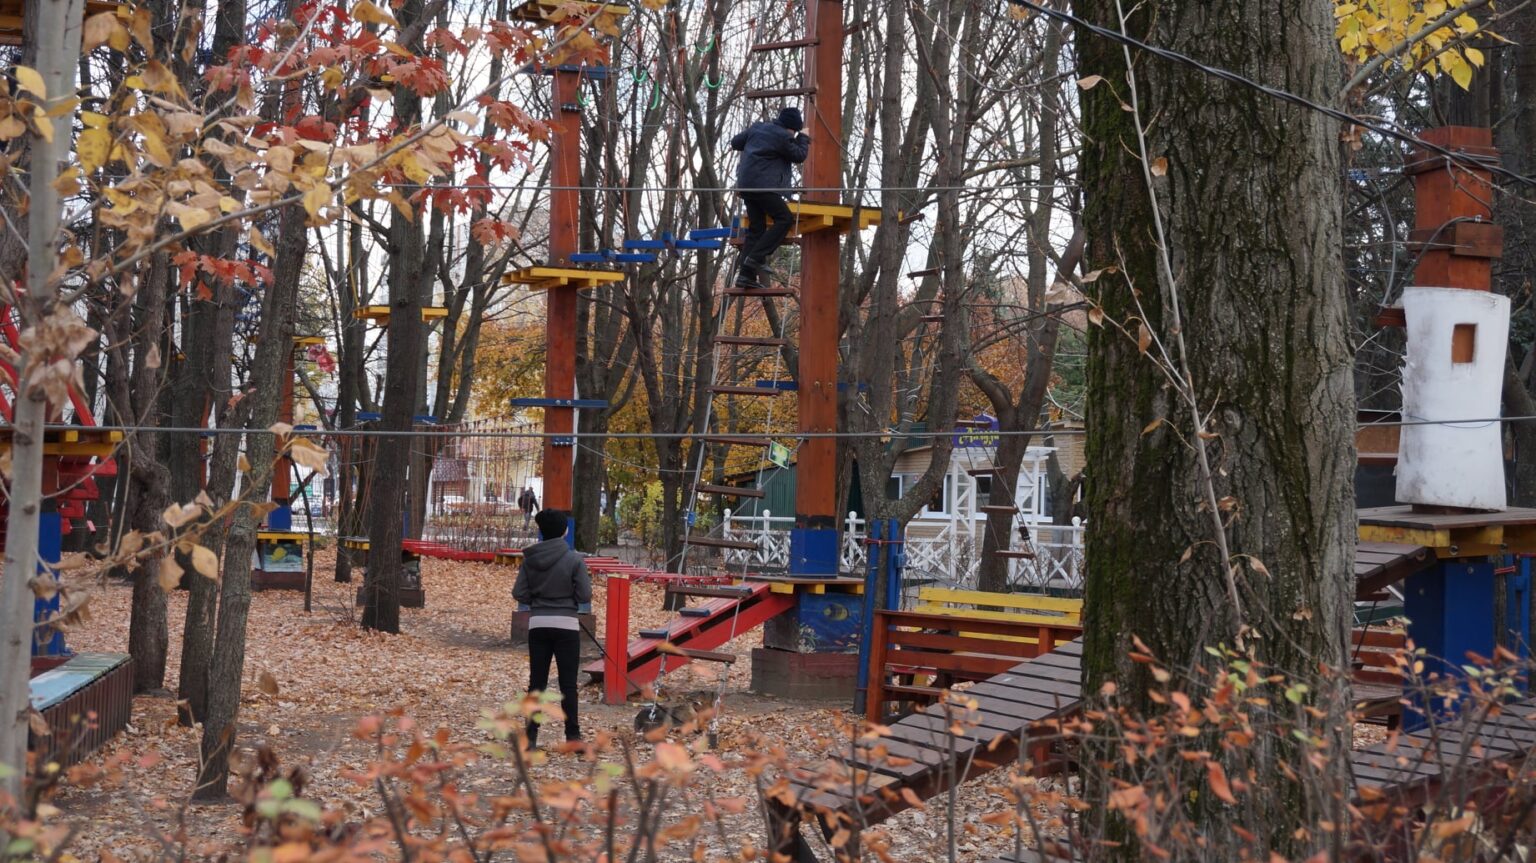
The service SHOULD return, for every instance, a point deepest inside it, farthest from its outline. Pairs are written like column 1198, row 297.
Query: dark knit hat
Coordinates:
column 790, row 118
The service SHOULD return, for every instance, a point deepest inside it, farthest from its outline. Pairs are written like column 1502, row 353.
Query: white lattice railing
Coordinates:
column 949, row 553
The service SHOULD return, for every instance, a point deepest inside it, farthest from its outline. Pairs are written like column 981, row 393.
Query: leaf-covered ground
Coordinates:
column 452, row 661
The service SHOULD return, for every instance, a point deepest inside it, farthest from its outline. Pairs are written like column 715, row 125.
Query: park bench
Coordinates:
column 84, row 701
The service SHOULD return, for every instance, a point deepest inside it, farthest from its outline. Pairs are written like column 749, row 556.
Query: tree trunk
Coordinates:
column 52, row 40
column 203, row 396
column 350, row 364
column 591, row 470
column 227, row 667
column 1252, row 201
column 148, row 634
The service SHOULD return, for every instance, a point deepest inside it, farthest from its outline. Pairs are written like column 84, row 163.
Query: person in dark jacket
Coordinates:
column 768, row 153
column 554, row 584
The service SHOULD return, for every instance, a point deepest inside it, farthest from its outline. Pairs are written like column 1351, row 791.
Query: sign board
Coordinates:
column 778, row 454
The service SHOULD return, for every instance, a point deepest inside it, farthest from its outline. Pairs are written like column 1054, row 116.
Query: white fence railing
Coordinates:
column 941, row 550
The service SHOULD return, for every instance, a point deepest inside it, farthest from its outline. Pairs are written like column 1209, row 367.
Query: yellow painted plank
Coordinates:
column 432, row 313
column 1006, row 600
column 1009, row 616
column 781, row 587
column 308, row 341
column 278, row 535
column 1406, row 535
column 75, row 448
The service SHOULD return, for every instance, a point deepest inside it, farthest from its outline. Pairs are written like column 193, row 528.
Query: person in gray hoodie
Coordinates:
column 554, row 584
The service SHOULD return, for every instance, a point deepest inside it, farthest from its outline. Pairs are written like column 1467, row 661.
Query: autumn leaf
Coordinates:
column 268, row 683
column 99, row 29
column 367, row 13
column 94, row 146
column 1160, row 166
column 205, row 562
column 170, row 573
column 1216, row 777
column 28, row 79
column 1089, row 82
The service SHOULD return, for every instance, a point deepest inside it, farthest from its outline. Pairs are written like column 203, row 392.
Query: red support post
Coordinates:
column 560, row 315
column 821, row 253
column 616, row 640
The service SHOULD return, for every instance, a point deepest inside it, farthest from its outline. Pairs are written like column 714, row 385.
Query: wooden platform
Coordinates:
column 1465, row 752
column 1460, row 534
column 380, row 314
column 84, row 701
column 541, row 278
column 811, row 217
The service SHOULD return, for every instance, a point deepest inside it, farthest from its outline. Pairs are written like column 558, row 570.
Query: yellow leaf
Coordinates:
column 134, row 82
column 1461, row 73
column 368, row 13
column 1474, row 56
column 99, row 29
column 93, row 120
column 170, row 573
column 205, row 562
column 259, row 241
column 191, row 218
column 28, row 79
column 93, row 146
column 11, row 127
column 316, row 197
column 42, row 123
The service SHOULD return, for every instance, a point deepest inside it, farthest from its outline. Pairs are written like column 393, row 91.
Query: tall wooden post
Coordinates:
column 560, row 316
column 813, row 542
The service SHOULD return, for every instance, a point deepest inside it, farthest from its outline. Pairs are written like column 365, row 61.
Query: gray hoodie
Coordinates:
column 553, row 579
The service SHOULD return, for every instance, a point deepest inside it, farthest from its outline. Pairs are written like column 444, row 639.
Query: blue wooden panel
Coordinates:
column 710, row 234
column 589, row 258
column 559, row 403
column 55, row 685
column 699, row 244
column 645, row 244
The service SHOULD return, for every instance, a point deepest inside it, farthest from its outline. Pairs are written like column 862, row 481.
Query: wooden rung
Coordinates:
column 1380, row 459
column 703, row 655
column 933, row 319
column 758, row 292
column 982, row 471
column 722, row 389
column 658, row 632
column 780, row 93
column 1003, row 508
column 729, row 440
column 730, row 491
column 1015, row 554
column 695, row 611
column 784, row 46
column 918, row 274
column 722, row 591
column 751, row 341
column 711, row 542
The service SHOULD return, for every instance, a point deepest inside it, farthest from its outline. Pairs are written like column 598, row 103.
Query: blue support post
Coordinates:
column 1517, row 586
column 1450, row 613
column 867, row 625
column 280, row 519
column 50, row 546
column 813, row 552
column 895, row 562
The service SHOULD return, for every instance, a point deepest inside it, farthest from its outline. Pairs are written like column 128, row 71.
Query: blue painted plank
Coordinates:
column 710, row 234
column 699, row 244
column 369, row 416
column 57, row 684
column 645, row 244
column 589, row 258
column 632, row 258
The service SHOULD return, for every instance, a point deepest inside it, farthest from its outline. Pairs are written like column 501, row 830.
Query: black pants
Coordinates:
column 762, row 239
column 564, row 647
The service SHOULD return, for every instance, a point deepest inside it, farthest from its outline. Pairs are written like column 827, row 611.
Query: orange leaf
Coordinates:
column 911, row 798
column 1217, row 777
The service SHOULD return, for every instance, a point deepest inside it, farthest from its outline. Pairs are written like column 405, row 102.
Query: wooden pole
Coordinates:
column 814, row 541
column 560, row 317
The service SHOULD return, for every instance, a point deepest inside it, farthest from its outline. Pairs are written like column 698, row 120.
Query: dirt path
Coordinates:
column 452, row 661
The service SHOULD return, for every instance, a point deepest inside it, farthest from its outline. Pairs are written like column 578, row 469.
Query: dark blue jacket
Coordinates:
column 767, row 152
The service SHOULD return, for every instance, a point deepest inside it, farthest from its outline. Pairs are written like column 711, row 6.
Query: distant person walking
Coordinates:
column 769, row 152
column 528, row 503
column 554, row 584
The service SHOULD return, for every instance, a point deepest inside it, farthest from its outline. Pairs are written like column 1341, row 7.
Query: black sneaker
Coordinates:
column 747, row 282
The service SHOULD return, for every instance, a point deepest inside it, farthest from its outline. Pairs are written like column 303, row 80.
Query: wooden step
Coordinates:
column 719, row 591
column 655, row 632
column 781, row 92
column 731, row 390
column 712, row 542
column 705, row 655
column 730, row 491
column 784, row 46
column 752, row 341
column 933, row 319
column 1003, row 508
column 730, row 440
column 1015, row 554
column 983, row 471
column 694, row 611
column 758, row 292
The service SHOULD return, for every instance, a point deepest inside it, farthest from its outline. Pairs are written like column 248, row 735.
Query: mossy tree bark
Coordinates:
column 1251, row 201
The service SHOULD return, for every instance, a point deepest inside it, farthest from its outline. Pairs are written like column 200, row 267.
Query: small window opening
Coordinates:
column 1463, row 343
